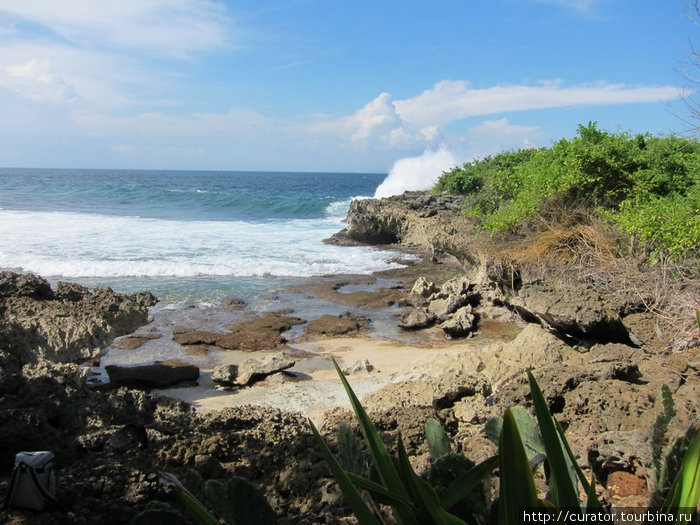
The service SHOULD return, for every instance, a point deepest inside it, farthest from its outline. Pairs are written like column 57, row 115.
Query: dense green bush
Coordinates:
column 648, row 186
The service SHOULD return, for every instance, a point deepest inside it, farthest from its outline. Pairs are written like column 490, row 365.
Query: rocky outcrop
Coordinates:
column 430, row 223
column 448, row 305
column 69, row 325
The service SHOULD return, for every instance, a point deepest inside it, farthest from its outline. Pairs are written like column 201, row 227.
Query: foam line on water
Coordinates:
column 89, row 245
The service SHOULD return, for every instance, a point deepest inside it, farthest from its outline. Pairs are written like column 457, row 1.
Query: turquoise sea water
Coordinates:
column 186, row 235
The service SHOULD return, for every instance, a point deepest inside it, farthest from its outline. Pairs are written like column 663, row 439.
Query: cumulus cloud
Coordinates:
column 377, row 115
column 34, row 80
column 171, row 27
column 454, row 100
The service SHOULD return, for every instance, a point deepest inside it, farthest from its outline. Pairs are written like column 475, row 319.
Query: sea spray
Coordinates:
column 415, row 173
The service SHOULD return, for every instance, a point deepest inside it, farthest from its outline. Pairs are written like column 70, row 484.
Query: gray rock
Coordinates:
column 24, row 285
column 455, row 286
column 252, row 370
column 460, row 324
column 442, row 306
column 417, row 318
column 423, row 288
column 71, row 292
column 225, row 375
column 361, row 365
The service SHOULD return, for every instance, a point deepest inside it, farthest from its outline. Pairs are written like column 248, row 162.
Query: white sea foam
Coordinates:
column 415, row 173
column 85, row 245
column 338, row 210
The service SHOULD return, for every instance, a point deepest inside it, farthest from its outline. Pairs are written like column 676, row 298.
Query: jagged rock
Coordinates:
column 619, row 450
column 361, row 365
column 455, row 286
column 24, row 285
column 70, row 326
column 460, row 324
column 423, row 288
column 225, row 375
column 161, row 374
column 232, row 303
column 571, row 309
column 441, row 307
column 252, row 370
column 70, row 291
column 417, row 318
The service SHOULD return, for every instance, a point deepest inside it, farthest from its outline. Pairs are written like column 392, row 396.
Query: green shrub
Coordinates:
column 647, row 186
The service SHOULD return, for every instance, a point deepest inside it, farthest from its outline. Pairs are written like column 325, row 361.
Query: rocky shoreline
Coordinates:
column 596, row 351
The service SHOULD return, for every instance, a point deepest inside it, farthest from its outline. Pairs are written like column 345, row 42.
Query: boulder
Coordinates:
column 252, row 370
column 161, row 374
column 225, row 375
column 417, row 318
column 423, row 288
column 441, row 307
column 573, row 309
column 460, row 324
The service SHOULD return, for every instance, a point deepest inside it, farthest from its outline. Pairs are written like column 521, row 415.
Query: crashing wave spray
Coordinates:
column 415, row 173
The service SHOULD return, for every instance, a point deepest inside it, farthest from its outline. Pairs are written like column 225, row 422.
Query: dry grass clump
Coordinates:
column 577, row 244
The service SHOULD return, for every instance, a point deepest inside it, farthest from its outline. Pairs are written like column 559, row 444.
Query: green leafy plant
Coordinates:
column 412, row 499
column 415, row 500
column 235, row 500
column 646, row 186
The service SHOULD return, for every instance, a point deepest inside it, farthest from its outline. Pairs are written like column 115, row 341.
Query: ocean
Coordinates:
column 193, row 238
column 184, row 235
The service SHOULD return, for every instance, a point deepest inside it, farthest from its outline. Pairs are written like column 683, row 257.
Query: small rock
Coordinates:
column 232, row 303
column 417, row 318
column 252, row 370
column 225, row 375
column 361, row 365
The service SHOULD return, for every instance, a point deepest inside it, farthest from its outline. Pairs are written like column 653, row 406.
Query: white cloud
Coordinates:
column 454, row 100
column 170, row 27
column 377, row 115
column 35, row 81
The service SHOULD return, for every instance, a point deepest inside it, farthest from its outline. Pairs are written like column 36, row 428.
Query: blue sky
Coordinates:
column 308, row 85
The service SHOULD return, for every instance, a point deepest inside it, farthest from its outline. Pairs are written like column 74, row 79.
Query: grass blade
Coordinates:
column 467, row 481
column 428, row 505
column 387, row 497
column 380, row 456
column 564, row 490
column 517, row 483
column 363, row 513
column 197, row 510
column 685, row 491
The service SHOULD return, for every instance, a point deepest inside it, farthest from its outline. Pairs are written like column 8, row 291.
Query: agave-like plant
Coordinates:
column 414, row 501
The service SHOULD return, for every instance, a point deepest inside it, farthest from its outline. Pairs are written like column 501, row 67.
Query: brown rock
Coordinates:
column 336, row 325
column 134, row 341
column 161, row 374
column 623, row 484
